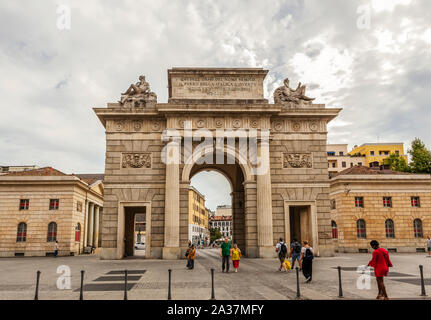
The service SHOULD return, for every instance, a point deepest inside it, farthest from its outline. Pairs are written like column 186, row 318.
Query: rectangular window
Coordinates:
column 372, row 153
column 359, row 202
column 359, row 163
column 53, row 204
column 24, row 204
column 397, row 152
column 341, row 153
column 415, row 202
column 333, row 204
column 387, row 202
column 344, row 164
column 331, row 153
column 351, row 164
column 333, row 164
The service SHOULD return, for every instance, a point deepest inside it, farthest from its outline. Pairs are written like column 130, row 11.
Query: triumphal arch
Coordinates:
column 273, row 154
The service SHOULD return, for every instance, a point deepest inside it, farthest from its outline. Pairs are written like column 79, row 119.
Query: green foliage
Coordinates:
column 215, row 234
column 420, row 157
column 397, row 163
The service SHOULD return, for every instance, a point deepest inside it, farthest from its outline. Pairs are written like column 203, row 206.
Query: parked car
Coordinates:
column 140, row 245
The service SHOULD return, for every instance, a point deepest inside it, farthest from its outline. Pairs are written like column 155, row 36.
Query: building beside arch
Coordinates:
column 374, row 203
column 44, row 205
column 273, row 154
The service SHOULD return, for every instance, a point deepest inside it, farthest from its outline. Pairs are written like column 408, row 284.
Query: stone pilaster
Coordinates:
column 264, row 203
column 87, row 211
column 96, row 227
column 90, row 224
column 171, row 249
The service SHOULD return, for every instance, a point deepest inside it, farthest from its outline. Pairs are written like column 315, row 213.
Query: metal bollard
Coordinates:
column 36, row 295
column 298, row 292
column 212, row 285
column 340, row 288
column 125, row 284
column 169, row 285
column 421, row 269
column 81, row 290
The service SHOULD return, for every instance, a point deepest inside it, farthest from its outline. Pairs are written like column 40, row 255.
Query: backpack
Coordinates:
column 308, row 255
column 283, row 249
column 296, row 247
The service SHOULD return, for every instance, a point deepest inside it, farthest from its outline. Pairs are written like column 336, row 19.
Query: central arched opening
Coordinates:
column 222, row 185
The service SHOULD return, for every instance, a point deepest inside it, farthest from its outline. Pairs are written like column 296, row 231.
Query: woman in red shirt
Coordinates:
column 381, row 263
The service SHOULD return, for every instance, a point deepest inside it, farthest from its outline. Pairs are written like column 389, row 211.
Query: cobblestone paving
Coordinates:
column 257, row 278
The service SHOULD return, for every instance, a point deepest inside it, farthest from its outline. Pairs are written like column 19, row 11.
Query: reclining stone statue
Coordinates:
column 138, row 94
column 286, row 95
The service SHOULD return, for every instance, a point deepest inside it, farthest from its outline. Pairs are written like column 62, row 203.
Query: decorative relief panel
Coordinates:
column 136, row 160
column 219, row 123
column 297, row 160
column 137, row 125
column 254, row 123
column 236, row 123
column 119, row 125
column 155, row 126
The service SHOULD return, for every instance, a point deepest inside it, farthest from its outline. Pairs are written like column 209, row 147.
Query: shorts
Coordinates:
column 296, row 256
column 429, row 249
column 281, row 257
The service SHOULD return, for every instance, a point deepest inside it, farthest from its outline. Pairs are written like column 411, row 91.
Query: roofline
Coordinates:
column 381, row 144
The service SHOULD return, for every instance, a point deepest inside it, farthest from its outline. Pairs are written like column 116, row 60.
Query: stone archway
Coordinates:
column 235, row 176
column 291, row 143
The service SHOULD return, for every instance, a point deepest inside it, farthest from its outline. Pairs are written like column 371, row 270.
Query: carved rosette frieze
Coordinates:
column 297, row 160
column 136, row 160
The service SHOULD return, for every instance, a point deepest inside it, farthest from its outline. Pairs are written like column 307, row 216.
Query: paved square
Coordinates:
column 257, row 278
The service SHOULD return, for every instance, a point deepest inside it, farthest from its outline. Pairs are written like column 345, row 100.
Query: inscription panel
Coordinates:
column 210, row 85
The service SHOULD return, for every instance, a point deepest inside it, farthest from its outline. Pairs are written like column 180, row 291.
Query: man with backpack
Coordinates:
column 281, row 249
column 307, row 256
column 295, row 253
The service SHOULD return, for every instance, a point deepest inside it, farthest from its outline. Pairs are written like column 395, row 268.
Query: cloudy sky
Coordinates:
column 378, row 72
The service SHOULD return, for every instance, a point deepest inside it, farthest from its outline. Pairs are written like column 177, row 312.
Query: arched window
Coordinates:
column 52, row 232
column 78, row 232
column 389, row 228
column 334, row 230
column 361, row 229
column 21, row 235
column 417, row 227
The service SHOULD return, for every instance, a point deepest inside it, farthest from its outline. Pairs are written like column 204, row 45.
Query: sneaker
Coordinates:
column 308, row 279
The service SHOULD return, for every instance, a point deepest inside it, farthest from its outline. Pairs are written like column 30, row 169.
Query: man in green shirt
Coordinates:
column 225, row 250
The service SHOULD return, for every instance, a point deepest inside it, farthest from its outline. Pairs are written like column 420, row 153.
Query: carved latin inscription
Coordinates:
column 297, row 160
column 136, row 160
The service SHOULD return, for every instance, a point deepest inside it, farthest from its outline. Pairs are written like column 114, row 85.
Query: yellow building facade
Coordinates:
column 198, row 217
column 378, row 152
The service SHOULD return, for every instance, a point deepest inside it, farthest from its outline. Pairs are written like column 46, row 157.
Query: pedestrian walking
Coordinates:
column 225, row 254
column 307, row 256
column 295, row 253
column 236, row 256
column 380, row 262
column 191, row 257
column 189, row 244
column 429, row 246
column 55, row 249
column 281, row 250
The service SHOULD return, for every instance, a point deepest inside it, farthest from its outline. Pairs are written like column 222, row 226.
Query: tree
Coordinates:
column 215, row 234
column 420, row 157
column 397, row 163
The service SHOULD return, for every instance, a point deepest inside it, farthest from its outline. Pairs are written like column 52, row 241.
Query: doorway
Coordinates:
column 135, row 227
column 300, row 223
